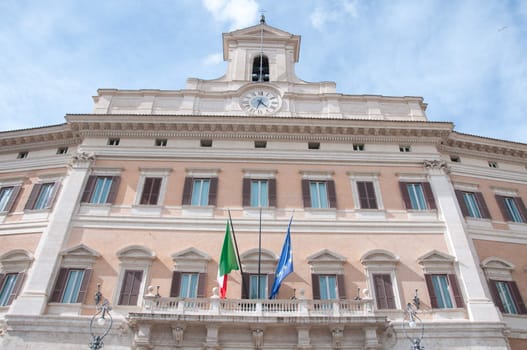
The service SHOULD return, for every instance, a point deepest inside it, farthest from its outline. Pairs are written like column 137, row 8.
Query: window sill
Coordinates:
column 33, row 215
column 95, row 209
column 63, row 309
column 205, row 211
column 254, row 212
column 449, row 314
column 422, row 214
column 321, row 213
column 517, row 226
column 479, row 223
column 370, row 214
column 147, row 210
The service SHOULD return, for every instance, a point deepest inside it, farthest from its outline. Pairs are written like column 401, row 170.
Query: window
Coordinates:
column 130, row 287
column 71, row 285
column 205, row 143
column 493, row 164
column 259, row 193
column 455, row 159
column 22, row 155
column 100, row 189
column 327, row 275
column 404, row 148
column 114, row 141
column 444, row 291
column 472, row 204
column 42, row 196
column 260, row 144
column 151, row 190
column 10, row 284
column 383, row 291
column 506, row 296
column 8, row 195
column 319, row 194
column 62, row 150
column 325, row 287
column 188, row 284
column 417, row 195
column 358, row 147
column 258, row 282
column 260, row 69
column 200, row 191
column 512, row 208
column 313, row 145
column 367, row 198
column 161, row 142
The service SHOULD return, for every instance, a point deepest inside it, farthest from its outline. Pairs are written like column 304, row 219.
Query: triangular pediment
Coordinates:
column 379, row 256
column 80, row 250
column 190, row 254
column 326, row 255
column 436, row 256
column 268, row 30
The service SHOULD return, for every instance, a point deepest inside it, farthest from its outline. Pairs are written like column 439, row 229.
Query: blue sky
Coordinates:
column 468, row 59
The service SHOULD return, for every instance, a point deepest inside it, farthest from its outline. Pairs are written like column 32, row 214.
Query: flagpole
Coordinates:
column 259, row 254
column 237, row 251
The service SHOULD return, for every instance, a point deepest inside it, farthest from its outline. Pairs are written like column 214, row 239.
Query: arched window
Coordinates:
column 260, row 68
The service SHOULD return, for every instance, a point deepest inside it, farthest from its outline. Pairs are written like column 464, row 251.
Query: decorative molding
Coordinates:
column 190, row 260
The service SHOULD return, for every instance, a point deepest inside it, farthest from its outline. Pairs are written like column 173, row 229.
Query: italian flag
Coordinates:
column 228, row 262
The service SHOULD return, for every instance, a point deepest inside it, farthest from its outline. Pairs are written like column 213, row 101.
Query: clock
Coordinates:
column 260, row 101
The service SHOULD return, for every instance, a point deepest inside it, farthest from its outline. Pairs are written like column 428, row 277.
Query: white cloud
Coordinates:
column 240, row 13
column 333, row 11
column 213, row 59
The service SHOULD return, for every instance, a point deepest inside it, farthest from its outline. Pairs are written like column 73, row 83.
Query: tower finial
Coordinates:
column 262, row 17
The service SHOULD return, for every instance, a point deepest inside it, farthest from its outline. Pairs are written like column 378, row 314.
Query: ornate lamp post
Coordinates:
column 103, row 320
column 412, row 322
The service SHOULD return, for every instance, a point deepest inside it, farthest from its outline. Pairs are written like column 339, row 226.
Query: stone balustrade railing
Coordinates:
column 257, row 307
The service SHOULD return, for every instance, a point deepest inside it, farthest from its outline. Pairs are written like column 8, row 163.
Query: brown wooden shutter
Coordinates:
column 213, row 190
column 482, row 205
column 332, row 194
column 431, row 292
column 272, row 192
column 427, row 189
column 341, row 287
column 84, row 285
column 62, row 277
column 12, row 199
column 246, row 285
column 384, row 291
column 176, row 284
column 516, row 296
column 495, row 295
column 458, row 297
column 367, row 199
column 503, row 207
column 406, row 195
column 306, row 196
column 202, row 283
column 187, row 190
column 130, row 288
column 315, row 284
column 2, row 277
column 521, row 207
column 147, row 189
column 17, row 287
column 462, row 204
column 33, row 196
column 113, row 189
column 88, row 189
column 246, row 192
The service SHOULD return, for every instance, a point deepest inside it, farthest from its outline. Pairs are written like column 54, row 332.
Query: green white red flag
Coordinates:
column 228, row 262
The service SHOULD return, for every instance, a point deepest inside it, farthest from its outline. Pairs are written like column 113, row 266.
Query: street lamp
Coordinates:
column 412, row 322
column 102, row 318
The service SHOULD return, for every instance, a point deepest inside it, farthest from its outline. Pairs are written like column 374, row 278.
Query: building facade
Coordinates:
column 388, row 209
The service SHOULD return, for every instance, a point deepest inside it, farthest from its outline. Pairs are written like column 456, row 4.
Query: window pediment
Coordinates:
column 16, row 260
column 79, row 256
column 437, row 262
column 497, row 269
column 326, row 262
column 249, row 260
column 379, row 257
column 136, row 253
column 190, row 260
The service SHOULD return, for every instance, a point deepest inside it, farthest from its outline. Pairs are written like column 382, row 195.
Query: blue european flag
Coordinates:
column 285, row 264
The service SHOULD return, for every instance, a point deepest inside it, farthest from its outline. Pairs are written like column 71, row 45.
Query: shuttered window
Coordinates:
column 444, row 291
column 130, row 287
column 10, row 285
column 507, row 297
column 327, row 286
column 71, row 286
column 319, row 194
column 100, row 189
column 417, row 195
column 384, row 296
column 8, row 195
column 188, row 284
column 250, row 285
column 42, row 196
column 512, row 208
column 200, row 191
column 151, row 189
column 367, row 198
column 472, row 204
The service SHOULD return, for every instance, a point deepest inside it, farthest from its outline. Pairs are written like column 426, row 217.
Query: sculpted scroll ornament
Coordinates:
column 82, row 157
column 436, row 165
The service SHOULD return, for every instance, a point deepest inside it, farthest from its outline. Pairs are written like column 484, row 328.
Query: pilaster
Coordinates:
column 34, row 297
column 480, row 308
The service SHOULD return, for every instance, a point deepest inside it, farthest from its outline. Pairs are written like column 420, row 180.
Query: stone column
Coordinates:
column 480, row 307
column 41, row 276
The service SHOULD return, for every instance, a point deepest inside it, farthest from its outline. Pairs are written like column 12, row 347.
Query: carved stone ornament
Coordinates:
column 337, row 335
column 258, row 338
column 82, row 157
column 436, row 165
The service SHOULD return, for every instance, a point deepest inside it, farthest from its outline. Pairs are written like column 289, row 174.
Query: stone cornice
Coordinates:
column 42, row 137
column 477, row 146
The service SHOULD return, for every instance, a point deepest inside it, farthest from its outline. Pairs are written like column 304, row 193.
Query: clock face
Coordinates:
column 260, row 101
